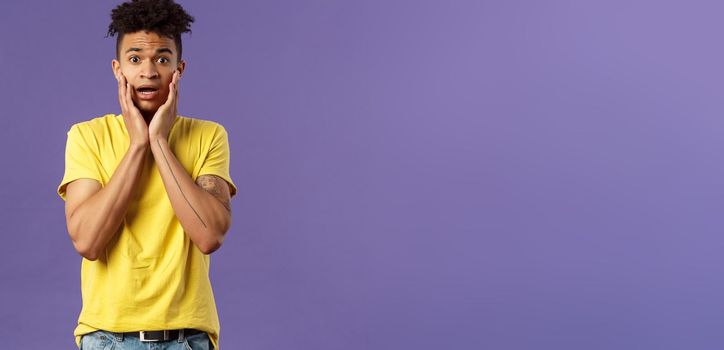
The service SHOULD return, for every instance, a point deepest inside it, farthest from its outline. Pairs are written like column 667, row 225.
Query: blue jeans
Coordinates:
column 102, row 340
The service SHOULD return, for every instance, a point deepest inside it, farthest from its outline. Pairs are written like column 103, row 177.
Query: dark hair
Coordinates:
column 163, row 17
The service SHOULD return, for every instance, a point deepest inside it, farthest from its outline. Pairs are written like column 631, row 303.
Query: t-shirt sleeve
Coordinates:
column 217, row 159
column 79, row 161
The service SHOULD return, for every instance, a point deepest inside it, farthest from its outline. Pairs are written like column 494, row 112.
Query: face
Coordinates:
column 148, row 61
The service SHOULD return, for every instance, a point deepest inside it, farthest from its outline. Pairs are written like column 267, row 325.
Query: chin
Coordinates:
column 148, row 107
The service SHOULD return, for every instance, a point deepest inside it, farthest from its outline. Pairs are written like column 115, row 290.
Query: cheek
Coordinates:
column 130, row 76
column 167, row 80
column 127, row 70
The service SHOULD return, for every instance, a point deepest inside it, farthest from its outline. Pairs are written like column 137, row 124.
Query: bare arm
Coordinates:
column 203, row 207
column 94, row 214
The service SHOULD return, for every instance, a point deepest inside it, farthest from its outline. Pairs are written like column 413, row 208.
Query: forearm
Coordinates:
column 94, row 222
column 204, row 218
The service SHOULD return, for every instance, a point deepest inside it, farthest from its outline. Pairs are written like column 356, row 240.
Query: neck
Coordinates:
column 147, row 116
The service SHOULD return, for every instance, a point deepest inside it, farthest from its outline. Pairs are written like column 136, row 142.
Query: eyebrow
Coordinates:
column 163, row 49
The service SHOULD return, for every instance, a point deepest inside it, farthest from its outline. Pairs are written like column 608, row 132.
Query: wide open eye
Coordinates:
column 163, row 60
column 134, row 59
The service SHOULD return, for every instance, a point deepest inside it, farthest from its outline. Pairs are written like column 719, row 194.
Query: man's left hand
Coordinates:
column 162, row 121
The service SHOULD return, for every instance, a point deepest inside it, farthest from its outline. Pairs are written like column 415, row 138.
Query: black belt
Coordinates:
column 166, row 335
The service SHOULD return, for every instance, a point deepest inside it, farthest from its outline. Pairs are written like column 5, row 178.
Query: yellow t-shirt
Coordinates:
column 151, row 277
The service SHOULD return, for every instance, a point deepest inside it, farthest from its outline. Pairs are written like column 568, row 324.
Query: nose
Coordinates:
column 148, row 70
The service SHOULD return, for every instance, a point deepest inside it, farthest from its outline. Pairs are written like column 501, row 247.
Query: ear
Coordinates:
column 116, row 66
column 181, row 67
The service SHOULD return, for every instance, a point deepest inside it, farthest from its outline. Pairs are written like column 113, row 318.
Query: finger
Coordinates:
column 175, row 90
column 171, row 92
column 122, row 95
column 174, row 79
column 129, row 98
column 171, row 102
column 172, row 85
column 127, row 95
column 175, row 104
column 175, row 86
column 124, row 82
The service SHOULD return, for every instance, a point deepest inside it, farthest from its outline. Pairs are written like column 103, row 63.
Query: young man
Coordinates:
column 147, row 197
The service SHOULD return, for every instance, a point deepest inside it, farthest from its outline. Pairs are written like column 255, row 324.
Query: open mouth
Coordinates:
column 147, row 92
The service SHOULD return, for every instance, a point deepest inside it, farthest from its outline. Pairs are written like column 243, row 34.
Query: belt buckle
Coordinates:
column 143, row 336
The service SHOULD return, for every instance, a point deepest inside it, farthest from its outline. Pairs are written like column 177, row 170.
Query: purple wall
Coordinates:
column 412, row 174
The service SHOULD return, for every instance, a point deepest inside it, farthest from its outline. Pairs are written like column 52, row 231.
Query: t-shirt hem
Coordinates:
column 87, row 329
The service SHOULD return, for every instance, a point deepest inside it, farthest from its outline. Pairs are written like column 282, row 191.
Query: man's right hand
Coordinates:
column 135, row 124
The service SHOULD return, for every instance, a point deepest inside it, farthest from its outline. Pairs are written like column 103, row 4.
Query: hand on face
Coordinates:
column 162, row 121
column 139, row 132
column 150, row 63
column 135, row 124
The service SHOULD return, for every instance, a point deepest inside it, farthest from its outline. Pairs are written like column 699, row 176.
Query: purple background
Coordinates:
column 412, row 174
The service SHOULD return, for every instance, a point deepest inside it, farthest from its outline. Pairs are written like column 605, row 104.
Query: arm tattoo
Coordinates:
column 213, row 185
column 177, row 184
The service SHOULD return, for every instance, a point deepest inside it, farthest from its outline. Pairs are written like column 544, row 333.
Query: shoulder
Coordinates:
column 97, row 125
column 199, row 123
column 200, row 127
